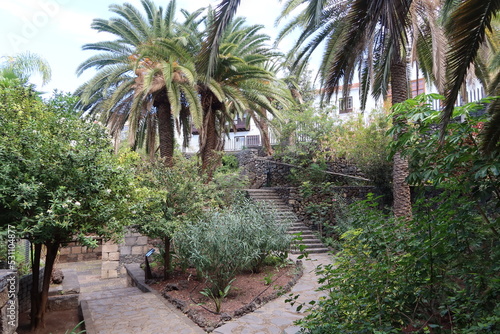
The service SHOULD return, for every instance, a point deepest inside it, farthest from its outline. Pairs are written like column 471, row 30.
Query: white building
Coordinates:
column 247, row 136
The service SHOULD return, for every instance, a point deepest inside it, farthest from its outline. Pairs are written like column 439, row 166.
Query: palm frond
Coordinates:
column 225, row 12
column 466, row 31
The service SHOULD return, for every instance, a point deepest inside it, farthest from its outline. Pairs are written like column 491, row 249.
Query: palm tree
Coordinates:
column 144, row 76
column 238, row 84
column 375, row 38
column 467, row 27
column 22, row 66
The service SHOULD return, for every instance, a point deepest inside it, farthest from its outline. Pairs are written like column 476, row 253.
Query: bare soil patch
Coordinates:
column 56, row 322
column 248, row 292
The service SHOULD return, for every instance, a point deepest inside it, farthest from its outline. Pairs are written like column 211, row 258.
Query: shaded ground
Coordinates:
column 248, row 291
column 56, row 322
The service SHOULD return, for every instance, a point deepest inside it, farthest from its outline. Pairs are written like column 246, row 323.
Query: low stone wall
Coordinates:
column 75, row 252
column 9, row 308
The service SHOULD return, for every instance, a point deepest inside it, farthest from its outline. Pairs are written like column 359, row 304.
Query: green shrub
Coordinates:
column 228, row 241
column 436, row 272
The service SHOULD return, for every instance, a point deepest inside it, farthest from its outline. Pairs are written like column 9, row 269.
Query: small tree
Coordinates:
column 169, row 197
column 58, row 180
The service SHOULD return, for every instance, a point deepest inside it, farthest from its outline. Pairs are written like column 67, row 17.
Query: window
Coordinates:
column 345, row 107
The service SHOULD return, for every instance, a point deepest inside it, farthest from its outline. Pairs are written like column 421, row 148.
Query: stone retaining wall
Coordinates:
column 131, row 250
column 75, row 252
column 295, row 200
column 266, row 172
column 24, row 293
column 9, row 308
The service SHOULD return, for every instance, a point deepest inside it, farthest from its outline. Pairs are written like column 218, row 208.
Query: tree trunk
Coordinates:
column 165, row 129
column 42, row 297
column 400, row 188
column 166, row 259
column 263, row 126
column 35, row 294
column 209, row 136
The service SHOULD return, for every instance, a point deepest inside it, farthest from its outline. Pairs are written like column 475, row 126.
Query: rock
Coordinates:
column 225, row 317
column 57, row 276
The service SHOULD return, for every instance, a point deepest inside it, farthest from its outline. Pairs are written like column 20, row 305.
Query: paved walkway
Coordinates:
column 116, row 308
column 277, row 317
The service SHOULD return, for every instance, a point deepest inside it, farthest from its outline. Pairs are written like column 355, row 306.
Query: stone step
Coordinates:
column 274, row 202
column 312, row 251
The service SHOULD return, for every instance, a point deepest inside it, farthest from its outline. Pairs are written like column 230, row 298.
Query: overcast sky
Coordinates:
column 57, row 29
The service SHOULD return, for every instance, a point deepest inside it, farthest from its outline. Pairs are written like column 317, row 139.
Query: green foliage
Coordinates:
column 218, row 297
column 324, row 207
column 435, row 273
column 76, row 330
column 58, row 176
column 228, row 241
column 229, row 164
column 312, row 139
column 169, row 197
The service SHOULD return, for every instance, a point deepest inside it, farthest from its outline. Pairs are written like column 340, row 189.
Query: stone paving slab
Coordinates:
column 277, row 317
column 111, row 306
column 131, row 311
column 139, row 313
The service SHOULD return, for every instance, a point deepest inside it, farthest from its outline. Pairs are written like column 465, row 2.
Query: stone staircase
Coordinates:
column 275, row 202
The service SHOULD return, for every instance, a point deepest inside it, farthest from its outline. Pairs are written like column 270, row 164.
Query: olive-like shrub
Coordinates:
column 228, row 241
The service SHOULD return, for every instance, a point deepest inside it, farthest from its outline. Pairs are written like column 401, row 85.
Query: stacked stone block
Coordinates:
column 110, row 260
column 75, row 252
column 131, row 250
column 24, row 293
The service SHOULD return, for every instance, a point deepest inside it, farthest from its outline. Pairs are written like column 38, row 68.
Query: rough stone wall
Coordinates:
column 132, row 249
column 24, row 293
column 75, row 252
column 253, row 167
column 295, row 200
column 265, row 172
column 9, row 308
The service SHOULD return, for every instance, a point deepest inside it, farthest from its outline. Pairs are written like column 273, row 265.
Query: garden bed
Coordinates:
column 249, row 291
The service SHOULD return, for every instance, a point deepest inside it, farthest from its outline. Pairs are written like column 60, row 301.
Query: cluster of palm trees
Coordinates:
column 159, row 74
column 153, row 77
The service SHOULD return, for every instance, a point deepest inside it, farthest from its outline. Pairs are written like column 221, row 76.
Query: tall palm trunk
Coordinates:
column 261, row 123
column 165, row 129
column 209, row 136
column 401, row 189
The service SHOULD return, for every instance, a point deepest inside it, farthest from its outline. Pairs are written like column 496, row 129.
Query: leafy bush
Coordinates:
column 228, row 241
column 313, row 138
column 435, row 273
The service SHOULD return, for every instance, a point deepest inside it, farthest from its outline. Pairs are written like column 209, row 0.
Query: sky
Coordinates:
column 56, row 30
